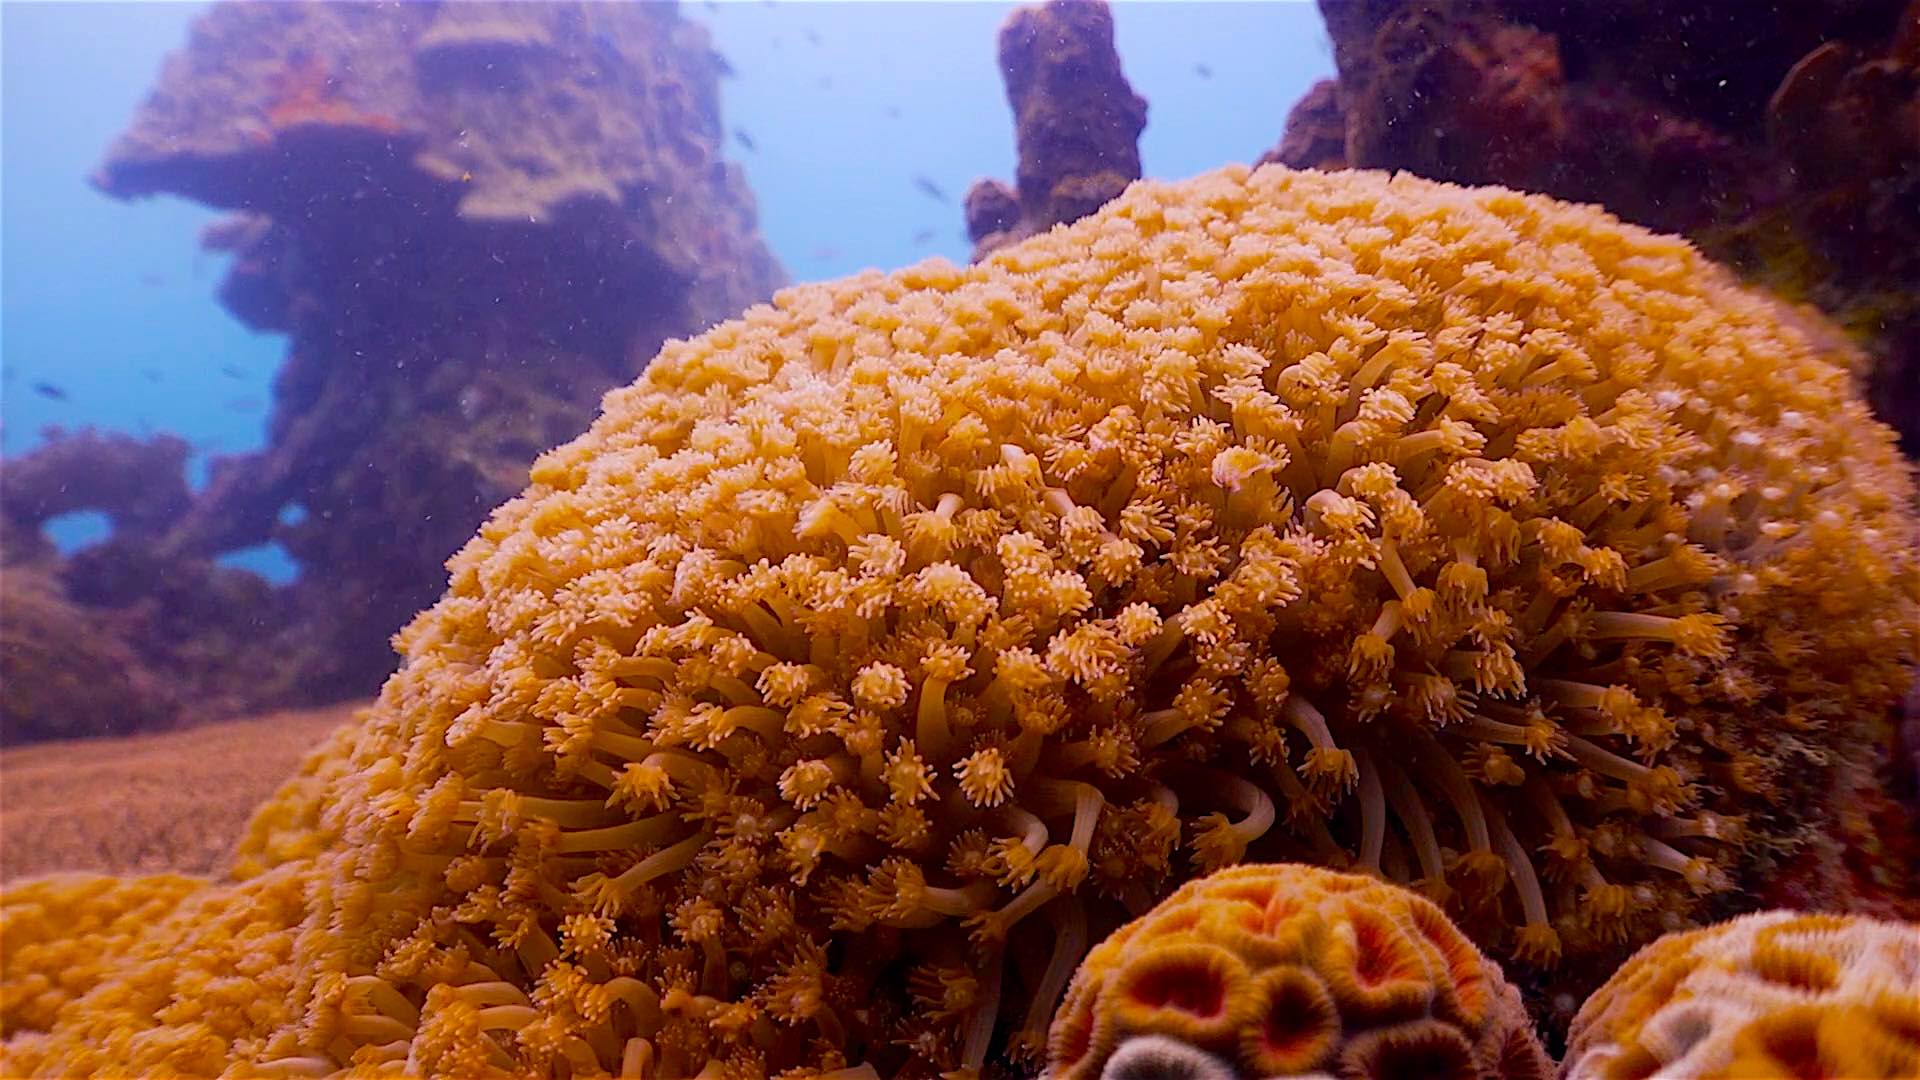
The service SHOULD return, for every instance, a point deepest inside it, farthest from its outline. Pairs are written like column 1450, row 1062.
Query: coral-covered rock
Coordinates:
column 876, row 651
column 128, row 633
column 472, row 219
column 1286, row 970
column 139, row 485
column 68, row 671
column 1316, row 132
column 1076, row 121
column 1770, row 994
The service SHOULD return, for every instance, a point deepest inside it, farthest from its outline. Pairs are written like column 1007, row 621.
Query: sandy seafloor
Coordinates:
column 171, row 801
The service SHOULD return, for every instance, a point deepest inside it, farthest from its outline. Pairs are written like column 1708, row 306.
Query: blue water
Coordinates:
column 113, row 303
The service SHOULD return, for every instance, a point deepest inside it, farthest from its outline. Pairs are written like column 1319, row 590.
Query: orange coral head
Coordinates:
column 1286, row 969
column 971, row 609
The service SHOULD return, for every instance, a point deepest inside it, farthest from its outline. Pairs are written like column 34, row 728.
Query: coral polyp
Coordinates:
column 878, row 650
column 1290, row 970
column 1773, row 994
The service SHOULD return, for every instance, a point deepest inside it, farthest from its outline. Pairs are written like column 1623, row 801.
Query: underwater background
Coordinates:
column 1076, row 539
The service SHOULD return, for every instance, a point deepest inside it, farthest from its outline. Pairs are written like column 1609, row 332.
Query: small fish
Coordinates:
column 232, row 372
column 152, row 374
column 50, row 391
column 923, row 236
column 813, row 36
column 825, row 253
column 740, row 136
column 1203, row 71
column 153, row 280
column 893, row 112
column 244, row 405
column 929, row 188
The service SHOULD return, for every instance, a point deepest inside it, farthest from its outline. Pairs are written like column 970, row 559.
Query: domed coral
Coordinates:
column 877, row 649
column 1287, row 970
column 1778, row 994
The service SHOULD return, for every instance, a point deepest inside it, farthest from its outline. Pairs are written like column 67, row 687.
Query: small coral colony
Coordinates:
column 1282, row 624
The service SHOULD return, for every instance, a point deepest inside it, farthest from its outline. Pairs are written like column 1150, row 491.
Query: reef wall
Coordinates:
column 1077, row 124
column 1783, row 138
column 470, row 220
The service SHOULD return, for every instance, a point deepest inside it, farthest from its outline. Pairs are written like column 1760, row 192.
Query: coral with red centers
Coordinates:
column 1287, row 969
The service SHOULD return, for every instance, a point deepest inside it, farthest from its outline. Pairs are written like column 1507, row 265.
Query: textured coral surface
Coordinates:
column 176, row 801
column 1777, row 994
column 1288, row 969
column 1784, row 137
column 876, row 651
column 62, row 935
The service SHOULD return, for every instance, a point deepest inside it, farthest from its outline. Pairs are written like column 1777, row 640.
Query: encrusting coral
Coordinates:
column 1283, row 970
column 879, row 649
column 61, row 935
column 1777, row 994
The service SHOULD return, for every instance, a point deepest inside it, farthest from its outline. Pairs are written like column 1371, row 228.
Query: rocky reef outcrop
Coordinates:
column 118, row 637
column 470, row 220
column 1077, row 124
column 1783, row 138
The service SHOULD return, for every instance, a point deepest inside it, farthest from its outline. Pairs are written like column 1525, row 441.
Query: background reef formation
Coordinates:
column 116, row 637
column 876, row 651
column 1783, row 137
column 470, row 220
column 1076, row 121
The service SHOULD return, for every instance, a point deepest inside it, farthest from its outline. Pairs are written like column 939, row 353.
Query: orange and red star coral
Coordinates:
column 1285, row 970
column 879, row 649
column 1777, row 994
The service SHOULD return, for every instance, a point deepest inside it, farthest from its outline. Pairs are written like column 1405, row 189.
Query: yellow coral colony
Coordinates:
column 1288, row 970
column 876, row 651
column 1776, row 994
